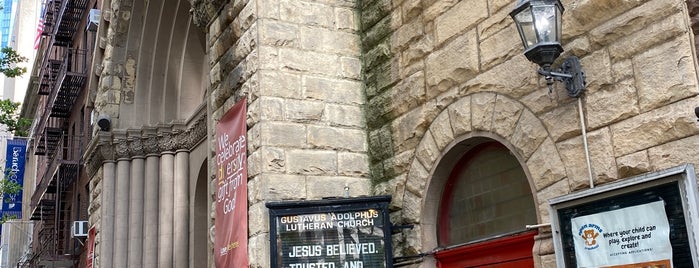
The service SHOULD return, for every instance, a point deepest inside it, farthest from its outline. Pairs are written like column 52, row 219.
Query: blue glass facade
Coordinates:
column 7, row 16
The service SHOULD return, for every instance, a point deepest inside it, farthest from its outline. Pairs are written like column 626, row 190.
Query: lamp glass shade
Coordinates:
column 539, row 25
column 525, row 25
column 547, row 21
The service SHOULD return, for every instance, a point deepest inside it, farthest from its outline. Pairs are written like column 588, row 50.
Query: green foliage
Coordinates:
column 8, row 187
column 6, row 217
column 8, row 60
column 9, row 116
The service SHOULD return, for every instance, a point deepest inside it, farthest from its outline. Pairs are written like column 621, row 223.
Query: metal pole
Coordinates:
column 587, row 150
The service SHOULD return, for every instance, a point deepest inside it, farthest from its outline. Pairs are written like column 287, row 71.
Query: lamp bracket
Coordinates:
column 570, row 73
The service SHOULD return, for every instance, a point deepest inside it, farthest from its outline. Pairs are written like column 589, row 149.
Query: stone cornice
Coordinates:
column 204, row 11
column 131, row 143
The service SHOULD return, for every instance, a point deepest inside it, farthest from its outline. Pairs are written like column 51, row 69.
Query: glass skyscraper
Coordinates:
column 7, row 18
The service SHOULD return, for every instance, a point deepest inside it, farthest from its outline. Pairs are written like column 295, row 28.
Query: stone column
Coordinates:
column 151, row 190
column 121, row 213
column 543, row 247
column 166, row 219
column 107, row 210
column 136, row 208
column 181, row 209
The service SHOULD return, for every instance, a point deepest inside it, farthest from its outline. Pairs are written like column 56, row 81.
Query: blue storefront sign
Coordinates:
column 14, row 172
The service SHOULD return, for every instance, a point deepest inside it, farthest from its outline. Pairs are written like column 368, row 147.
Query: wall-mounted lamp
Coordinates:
column 104, row 122
column 539, row 26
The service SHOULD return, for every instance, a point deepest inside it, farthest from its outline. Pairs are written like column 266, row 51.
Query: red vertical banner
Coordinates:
column 90, row 258
column 231, row 238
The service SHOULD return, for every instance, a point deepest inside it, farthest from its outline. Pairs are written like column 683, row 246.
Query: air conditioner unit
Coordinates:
column 79, row 229
column 93, row 19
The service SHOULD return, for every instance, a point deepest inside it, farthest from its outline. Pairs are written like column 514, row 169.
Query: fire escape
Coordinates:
column 62, row 76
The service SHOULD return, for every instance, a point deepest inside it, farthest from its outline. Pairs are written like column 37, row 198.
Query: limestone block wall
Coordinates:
column 371, row 93
column 439, row 70
column 298, row 64
column 106, row 90
column 693, row 7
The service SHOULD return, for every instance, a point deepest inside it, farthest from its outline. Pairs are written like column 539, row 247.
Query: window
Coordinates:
column 487, row 195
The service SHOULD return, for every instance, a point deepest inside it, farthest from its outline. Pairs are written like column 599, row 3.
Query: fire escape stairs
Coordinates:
column 62, row 76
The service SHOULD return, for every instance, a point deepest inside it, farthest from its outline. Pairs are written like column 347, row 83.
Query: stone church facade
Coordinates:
column 386, row 97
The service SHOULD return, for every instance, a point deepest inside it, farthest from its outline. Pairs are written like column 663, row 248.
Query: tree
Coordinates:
column 8, row 187
column 8, row 60
column 9, row 116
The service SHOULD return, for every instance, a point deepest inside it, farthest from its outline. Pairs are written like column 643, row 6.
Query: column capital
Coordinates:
column 130, row 143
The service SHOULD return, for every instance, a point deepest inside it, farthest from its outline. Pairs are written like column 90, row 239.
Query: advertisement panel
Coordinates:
column 14, row 172
column 650, row 220
column 90, row 259
column 231, row 237
column 637, row 236
column 337, row 233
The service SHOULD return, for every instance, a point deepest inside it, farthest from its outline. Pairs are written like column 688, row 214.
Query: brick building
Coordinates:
column 430, row 102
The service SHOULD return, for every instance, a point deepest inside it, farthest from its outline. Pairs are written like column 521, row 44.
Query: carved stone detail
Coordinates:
column 136, row 147
column 149, row 139
column 121, row 146
column 203, row 11
column 110, row 146
column 166, row 142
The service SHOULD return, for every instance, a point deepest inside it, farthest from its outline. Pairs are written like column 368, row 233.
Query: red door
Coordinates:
column 513, row 251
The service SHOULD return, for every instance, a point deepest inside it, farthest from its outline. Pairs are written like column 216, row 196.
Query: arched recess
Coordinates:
column 486, row 202
column 200, row 237
column 166, row 65
column 472, row 120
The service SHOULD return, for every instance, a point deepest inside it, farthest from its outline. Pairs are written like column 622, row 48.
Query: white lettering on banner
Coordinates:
column 632, row 235
column 306, row 251
column 329, row 221
column 354, row 264
column 332, row 239
column 13, row 175
column 350, row 249
column 313, row 265
column 230, row 188
column 230, row 161
column 347, row 264
column 333, row 250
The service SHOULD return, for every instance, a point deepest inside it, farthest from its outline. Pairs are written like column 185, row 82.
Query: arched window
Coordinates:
column 486, row 200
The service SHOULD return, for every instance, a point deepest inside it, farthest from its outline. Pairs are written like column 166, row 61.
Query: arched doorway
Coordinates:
column 485, row 205
column 200, row 219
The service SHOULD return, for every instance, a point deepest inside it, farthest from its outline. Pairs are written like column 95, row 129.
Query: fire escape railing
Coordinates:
column 70, row 81
column 47, row 85
column 70, row 13
column 63, row 70
column 62, row 77
column 48, row 202
column 59, row 173
column 65, row 78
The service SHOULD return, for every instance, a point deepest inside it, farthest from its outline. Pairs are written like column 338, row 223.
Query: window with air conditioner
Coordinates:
column 79, row 229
